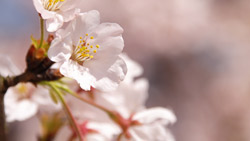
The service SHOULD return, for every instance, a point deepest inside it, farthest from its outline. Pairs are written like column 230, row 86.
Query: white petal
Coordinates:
column 109, row 37
column 38, row 5
column 135, row 94
column 83, row 23
column 61, row 47
column 128, row 98
column 40, row 9
column 53, row 24
column 134, row 69
column 70, row 14
column 106, row 131
column 108, row 72
column 157, row 114
column 81, row 74
column 70, row 4
column 154, row 132
column 21, row 110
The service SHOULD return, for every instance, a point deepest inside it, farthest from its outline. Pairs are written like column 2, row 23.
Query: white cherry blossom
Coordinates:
column 134, row 121
column 25, row 100
column 89, row 52
column 56, row 12
column 129, row 101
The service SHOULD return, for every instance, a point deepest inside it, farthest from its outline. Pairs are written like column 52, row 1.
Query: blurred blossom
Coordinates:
column 129, row 101
column 25, row 100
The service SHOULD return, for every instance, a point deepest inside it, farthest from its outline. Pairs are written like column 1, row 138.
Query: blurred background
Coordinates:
column 195, row 54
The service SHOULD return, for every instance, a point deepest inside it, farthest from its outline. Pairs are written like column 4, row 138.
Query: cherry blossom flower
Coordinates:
column 89, row 52
column 56, row 12
column 25, row 100
column 150, row 125
column 133, row 121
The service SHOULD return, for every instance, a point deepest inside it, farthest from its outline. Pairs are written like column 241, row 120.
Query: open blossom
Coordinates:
column 133, row 121
column 25, row 100
column 56, row 12
column 89, row 52
column 137, row 122
column 150, row 125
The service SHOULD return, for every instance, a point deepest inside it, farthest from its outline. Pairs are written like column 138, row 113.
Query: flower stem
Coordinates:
column 42, row 31
column 69, row 114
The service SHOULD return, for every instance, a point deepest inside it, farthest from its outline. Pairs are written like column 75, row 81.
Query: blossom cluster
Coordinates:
column 108, row 92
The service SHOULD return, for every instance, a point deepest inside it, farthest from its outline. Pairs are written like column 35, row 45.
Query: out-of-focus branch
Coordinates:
column 2, row 119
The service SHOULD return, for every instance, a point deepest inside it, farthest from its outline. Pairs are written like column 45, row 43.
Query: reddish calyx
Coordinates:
column 84, row 130
column 124, row 124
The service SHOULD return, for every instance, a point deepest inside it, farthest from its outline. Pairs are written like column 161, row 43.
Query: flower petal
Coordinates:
column 69, row 14
column 154, row 132
column 83, row 23
column 38, row 5
column 53, row 24
column 16, row 109
column 108, row 72
column 134, row 69
column 157, row 114
column 81, row 74
column 61, row 47
column 70, row 4
column 109, row 37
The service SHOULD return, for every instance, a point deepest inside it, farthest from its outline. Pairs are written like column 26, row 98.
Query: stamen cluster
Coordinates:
column 52, row 5
column 84, row 50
